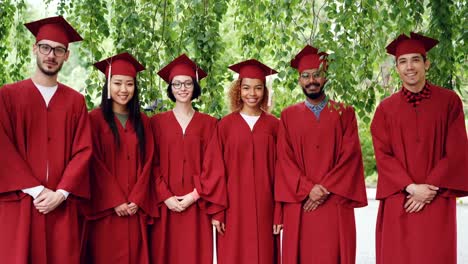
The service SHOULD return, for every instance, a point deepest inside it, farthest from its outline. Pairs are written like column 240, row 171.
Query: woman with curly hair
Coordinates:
column 246, row 140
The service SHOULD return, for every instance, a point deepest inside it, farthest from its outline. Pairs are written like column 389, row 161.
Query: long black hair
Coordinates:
column 134, row 116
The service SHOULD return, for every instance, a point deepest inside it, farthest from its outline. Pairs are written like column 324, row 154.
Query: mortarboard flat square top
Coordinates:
column 54, row 28
column 252, row 69
column 181, row 65
column 122, row 64
column 416, row 43
column 309, row 58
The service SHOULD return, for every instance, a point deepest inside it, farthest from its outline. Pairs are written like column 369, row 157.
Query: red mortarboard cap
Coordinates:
column 309, row 58
column 252, row 69
column 122, row 64
column 182, row 65
column 414, row 44
column 54, row 28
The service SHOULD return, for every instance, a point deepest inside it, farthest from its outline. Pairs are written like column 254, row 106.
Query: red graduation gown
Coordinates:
column 185, row 237
column 326, row 152
column 119, row 174
column 31, row 135
column 423, row 144
column 249, row 159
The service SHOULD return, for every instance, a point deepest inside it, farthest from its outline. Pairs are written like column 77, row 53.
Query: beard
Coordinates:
column 313, row 95
column 46, row 71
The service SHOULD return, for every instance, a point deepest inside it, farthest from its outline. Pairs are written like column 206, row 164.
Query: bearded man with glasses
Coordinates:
column 45, row 65
column 45, row 143
column 319, row 171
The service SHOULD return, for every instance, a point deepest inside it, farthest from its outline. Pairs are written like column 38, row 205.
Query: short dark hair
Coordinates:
column 196, row 90
column 424, row 58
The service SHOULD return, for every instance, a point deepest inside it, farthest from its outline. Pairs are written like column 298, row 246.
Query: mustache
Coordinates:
column 312, row 84
column 50, row 61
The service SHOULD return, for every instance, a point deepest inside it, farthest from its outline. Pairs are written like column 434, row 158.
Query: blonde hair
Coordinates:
column 235, row 100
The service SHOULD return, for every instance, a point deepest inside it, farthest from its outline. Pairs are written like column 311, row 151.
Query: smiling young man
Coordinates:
column 46, row 144
column 421, row 151
column 319, row 171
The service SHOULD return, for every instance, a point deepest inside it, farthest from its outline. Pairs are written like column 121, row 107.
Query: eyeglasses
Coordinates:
column 315, row 75
column 178, row 85
column 46, row 49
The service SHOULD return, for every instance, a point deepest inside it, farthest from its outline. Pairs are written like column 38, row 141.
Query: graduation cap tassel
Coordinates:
column 270, row 95
column 110, row 65
column 196, row 73
column 109, row 81
column 270, row 91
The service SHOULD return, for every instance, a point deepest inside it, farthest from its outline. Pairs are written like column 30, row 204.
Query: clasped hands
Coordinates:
column 317, row 196
column 180, row 203
column 419, row 196
column 126, row 209
column 48, row 200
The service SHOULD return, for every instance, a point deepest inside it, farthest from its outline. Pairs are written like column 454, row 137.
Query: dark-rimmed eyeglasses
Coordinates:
column 178, row 85
column 315, row 75
column 46, row 49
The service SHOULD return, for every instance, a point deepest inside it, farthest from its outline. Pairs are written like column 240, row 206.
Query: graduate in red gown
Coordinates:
column 183, row 234
column 421, row 150
column 320, row 176
column 45, row 144
column 248, row 229
column 121, row 197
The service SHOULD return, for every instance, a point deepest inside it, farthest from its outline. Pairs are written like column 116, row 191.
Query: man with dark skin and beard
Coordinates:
column 319, row 171
column 45, row 141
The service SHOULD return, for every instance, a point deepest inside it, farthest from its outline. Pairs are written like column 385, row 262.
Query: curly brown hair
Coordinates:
column 235, row 101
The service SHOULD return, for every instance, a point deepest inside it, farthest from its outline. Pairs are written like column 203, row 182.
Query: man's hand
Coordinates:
column 318, row 192
column 48, row 200
column 317, row 196
column 174, row 205
column 414, row 206
column 46, row 190
column 132, row 208
column 220, row 227
column 122, row 210
column 277, row 229
column 311, row 205
column 186, row 200
column 422, row 193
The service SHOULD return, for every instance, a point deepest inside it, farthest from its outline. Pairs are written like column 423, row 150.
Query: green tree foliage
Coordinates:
column 14, row 41
column 219, row 33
